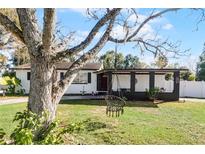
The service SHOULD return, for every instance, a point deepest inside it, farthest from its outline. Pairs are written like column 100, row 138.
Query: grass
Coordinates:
column 142, row 122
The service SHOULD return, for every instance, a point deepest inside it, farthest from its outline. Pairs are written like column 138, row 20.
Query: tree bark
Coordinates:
column 41, row 84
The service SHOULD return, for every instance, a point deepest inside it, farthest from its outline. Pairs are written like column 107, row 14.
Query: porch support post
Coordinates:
column 109, row 83
column 176, row 84
column 132, row 82
column 151, row 80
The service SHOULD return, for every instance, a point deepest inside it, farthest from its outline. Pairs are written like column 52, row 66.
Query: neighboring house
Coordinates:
column 132, row 83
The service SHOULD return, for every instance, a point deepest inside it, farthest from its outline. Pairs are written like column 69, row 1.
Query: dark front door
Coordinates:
column 101, row 82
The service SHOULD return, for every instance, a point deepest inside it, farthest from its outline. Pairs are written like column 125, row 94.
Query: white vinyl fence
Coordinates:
column 192, row 89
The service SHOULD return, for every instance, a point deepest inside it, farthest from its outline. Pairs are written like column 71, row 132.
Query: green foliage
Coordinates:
column 86, row 125
column 201, row 72
column 112, row 60
column 9, row 73
column 2, row 137
column 201, row 66
column 20, row 92
column 12, row 82
column 75, row 127
column 152, row 93
column 191, row 77
column 168, row 76
column 34, row 129
column 161, row 62
column 132, row 62
column 188, row 75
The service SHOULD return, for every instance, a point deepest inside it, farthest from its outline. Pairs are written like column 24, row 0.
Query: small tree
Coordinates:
column 201, row 66
column 132, row 62
column 111, row 59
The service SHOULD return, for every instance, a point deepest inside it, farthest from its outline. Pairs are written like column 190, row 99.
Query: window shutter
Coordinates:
column 61, row 75
column 89, row 77
column 28, row 75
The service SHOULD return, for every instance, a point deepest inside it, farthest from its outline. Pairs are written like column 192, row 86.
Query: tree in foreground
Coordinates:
column 45, row 49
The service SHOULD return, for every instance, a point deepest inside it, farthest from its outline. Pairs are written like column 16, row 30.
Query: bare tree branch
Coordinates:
column 161, row 48
column 80, row 62
column 30, row 29
column 89, row 38
column 10, row 26
column 151, row 17
column 48, row 28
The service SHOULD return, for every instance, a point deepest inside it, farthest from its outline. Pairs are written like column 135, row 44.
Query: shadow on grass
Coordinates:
column 103, row 103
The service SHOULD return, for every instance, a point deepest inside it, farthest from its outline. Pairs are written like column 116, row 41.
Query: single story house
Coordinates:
column 132, row 83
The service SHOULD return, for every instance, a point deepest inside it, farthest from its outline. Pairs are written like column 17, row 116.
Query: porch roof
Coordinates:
column 141, row 70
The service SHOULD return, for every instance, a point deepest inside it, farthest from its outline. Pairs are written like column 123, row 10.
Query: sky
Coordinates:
column 176, row 26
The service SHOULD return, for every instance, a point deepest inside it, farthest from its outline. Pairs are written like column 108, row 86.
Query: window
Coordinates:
column 89, row 77
column 28, row 75
column 61, row 75
column 81, row 78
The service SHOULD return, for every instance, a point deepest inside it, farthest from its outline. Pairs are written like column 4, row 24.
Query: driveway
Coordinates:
column 13, row 100
column 193, row 99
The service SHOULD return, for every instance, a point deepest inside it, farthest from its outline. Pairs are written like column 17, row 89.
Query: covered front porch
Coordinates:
column 132, row 83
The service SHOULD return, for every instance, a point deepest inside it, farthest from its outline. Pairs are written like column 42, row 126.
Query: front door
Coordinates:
column 101, row 82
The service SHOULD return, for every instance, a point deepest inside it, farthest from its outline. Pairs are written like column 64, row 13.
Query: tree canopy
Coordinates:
column 116, row 60
column 201, row 66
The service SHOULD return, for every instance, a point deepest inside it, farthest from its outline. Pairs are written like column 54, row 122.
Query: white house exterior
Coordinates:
column 85, row 82
column 93, row 79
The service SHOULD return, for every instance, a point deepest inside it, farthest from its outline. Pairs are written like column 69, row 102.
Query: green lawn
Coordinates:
column 143, row 123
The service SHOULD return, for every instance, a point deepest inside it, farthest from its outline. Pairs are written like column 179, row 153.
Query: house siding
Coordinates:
column 73, row 88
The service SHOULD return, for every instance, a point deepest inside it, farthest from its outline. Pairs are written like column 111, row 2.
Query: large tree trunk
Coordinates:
column 41, row 83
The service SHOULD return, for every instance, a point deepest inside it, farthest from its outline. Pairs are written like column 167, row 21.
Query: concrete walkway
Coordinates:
column 25, row 99
column 13, row 100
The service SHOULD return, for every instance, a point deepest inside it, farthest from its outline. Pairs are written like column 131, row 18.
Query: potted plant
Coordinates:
column 152, row 93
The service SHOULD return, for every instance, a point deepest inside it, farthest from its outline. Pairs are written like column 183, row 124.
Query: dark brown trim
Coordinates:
column 77, row 94
column 142, row 96
column 79, row 83
column 132, row 82
column 176, row 83
column 56, row 69
column 109, row 83
column 151, row 80
column 142, row 70
column 138, row 73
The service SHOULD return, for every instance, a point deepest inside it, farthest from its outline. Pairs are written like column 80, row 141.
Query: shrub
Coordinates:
column 11, row 82
column 2, row 136
column 152, row 93
column 33, row 129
